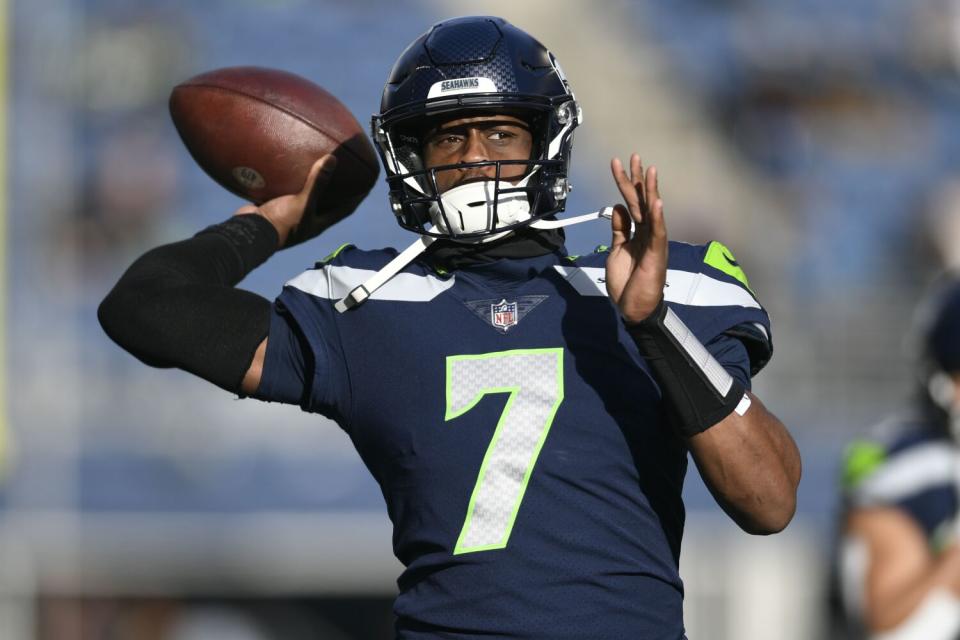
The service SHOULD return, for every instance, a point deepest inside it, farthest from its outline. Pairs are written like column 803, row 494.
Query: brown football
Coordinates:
column 257, row 131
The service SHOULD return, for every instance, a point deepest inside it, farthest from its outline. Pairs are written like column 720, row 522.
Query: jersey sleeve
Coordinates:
column 288, row 365
column 304, row 363
column 708, row 289
column 732, row 355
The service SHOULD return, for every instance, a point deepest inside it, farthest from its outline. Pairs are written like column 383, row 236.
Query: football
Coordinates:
column 257, row 131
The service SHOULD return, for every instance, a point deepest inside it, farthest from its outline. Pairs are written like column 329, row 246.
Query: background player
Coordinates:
column 901, row 554
column 570, row 507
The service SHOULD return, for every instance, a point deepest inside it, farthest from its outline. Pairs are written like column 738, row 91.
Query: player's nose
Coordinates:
column 475, row 148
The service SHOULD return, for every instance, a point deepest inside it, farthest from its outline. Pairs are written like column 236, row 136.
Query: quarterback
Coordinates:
column 527, row 413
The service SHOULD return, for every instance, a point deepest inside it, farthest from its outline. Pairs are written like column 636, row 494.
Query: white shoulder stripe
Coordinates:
column 588, row 281
column 700, row 290
column 924, row 467
column 334, row 282
column 683, row 287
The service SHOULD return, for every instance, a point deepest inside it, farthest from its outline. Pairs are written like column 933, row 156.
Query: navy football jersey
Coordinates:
column 910, row 465
column 518, row 437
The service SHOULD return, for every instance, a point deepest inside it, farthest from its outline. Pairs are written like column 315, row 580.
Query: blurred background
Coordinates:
column 819, row 140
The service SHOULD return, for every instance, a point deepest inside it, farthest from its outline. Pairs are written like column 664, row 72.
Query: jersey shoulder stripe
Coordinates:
column 713, row 259
column 683, row 287
column 707, row 288
column 907, row 463
column 348, row 267
column 694, row 276
column 875, row 475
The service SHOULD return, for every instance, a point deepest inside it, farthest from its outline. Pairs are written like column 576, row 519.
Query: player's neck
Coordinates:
column 524, row 243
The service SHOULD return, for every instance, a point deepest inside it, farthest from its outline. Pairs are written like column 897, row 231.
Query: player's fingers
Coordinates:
column 636, row 175
column 622, row 180
column 620, row 226
column 320, row 174
column 651, row 184
column 247, row 208
column 616, row 168
column 658, row 226
column 627, row 189
column 317, row 180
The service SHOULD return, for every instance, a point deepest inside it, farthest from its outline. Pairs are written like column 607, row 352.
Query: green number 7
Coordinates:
column 534, row 380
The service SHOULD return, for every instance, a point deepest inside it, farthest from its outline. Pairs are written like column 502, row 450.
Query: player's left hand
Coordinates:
column 637, row 264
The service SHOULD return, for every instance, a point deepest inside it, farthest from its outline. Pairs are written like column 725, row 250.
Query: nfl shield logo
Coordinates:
column 503, row 314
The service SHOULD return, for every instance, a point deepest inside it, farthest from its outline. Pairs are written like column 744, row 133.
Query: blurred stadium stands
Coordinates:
column 819, row 140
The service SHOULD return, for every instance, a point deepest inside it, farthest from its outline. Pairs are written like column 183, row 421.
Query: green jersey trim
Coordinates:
column 721, row 258
column 861, row 460
column 336, row 252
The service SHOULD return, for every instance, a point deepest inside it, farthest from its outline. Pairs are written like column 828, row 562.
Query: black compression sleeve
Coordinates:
column 697, row 390
column 176, row 305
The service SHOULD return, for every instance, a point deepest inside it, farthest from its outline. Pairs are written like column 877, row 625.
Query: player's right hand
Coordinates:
column 295, row 216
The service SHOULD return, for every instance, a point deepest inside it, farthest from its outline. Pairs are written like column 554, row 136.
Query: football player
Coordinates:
column 900, row 559
column 527, row 413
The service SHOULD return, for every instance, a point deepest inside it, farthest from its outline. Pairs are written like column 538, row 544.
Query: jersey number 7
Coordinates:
column 534, row 380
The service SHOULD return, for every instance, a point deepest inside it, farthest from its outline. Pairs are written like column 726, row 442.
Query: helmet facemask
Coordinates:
column 484, row 205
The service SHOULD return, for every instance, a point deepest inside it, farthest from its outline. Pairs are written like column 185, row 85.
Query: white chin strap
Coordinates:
column 470, row 207
column 395, row 266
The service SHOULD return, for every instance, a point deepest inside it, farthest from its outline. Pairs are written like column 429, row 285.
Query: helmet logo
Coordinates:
column 459, row 83
column 456, row 86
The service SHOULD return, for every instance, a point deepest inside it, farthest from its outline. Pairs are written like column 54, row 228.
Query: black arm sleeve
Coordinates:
column 698, row 391
column 176, row 305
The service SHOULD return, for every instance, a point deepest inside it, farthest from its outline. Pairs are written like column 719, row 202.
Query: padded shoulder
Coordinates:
column 900, row 460
column 713, row 259
column 350, row 255
column 348, row 267
column 708, row 289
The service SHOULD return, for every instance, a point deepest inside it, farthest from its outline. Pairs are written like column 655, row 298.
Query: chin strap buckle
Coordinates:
column 352, row 299
column 360, row 294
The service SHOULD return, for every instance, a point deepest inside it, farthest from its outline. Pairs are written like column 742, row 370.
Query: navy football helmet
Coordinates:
column 943, row 328
column 473, row 66
column 940, row 349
